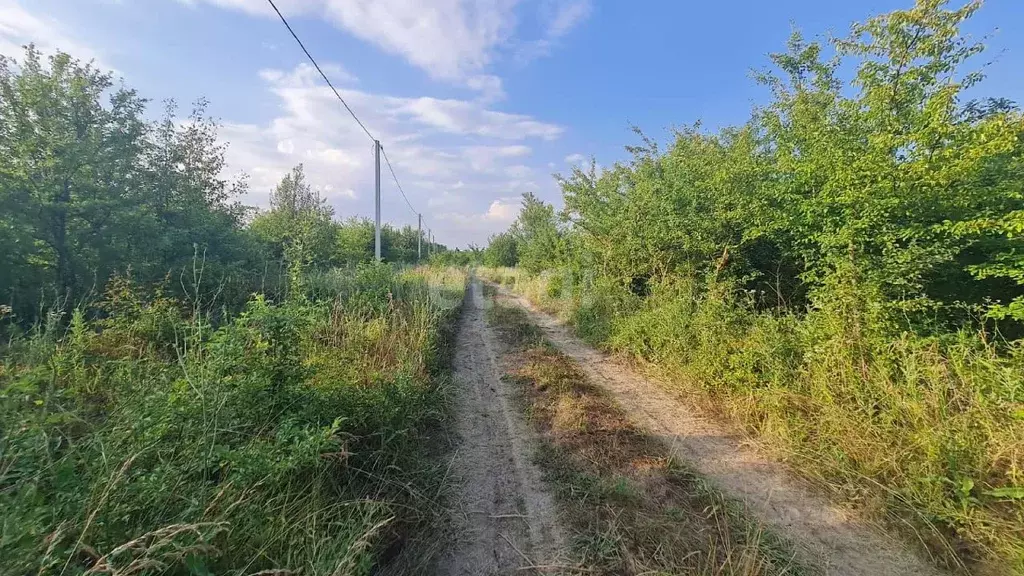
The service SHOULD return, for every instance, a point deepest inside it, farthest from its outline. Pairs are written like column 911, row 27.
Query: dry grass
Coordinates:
column 922, row 435
column 297, row 437
column 630, row 508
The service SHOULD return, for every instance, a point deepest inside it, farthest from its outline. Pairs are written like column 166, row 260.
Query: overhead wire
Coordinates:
column 392, row 170
column 317, row 66
column 345, row 104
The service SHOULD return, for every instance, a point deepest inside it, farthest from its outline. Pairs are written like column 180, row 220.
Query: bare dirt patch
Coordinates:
column 505, row 519
column 825, row 536
column 627, row 505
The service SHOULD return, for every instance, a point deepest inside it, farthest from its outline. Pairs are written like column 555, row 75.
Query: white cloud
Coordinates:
column 446, row 199
column 574, row 159
column 478, row 226
column 566, row 16
column 19, row 27
column 470, row 118
column 306, row 75
column 490, row 87
column 559, row 17
column 518, row 171
column 449, row 39
column 459, row 162
column 488, row 159
column 502, row 211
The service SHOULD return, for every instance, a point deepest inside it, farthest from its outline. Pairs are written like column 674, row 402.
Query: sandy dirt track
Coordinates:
column 505, row 520
column 824, row 535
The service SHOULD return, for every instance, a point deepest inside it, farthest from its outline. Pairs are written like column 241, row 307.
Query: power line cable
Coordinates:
column 317, row 66
column 345, row 104
column 392, row 170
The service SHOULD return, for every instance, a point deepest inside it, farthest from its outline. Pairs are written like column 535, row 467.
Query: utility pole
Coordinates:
column 376, row 229
column 419, row 237
column 429, row 236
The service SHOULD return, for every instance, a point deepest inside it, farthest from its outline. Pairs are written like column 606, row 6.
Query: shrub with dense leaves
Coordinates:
column 151, row 441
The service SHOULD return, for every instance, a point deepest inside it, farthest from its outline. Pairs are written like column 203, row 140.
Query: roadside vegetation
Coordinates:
column 841, row 275
column 630, row 507
column 188, row 385
column 89, row 188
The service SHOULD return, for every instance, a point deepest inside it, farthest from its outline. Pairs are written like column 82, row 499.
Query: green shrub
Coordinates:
column 929, row 429
column 149, row 441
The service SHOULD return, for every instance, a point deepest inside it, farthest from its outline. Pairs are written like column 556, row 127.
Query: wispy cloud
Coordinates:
column 490, row 87
column 566, row 16
column 558, row 17
column 449, row 39
column 19, row 27
column 456, row 158
column 453, row 40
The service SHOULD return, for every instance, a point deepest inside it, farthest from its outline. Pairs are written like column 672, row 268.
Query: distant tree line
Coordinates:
column 89, row 189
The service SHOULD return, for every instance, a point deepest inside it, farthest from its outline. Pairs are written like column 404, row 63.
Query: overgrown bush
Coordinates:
column 841, row 273
column 291, row 437
column 927, row 429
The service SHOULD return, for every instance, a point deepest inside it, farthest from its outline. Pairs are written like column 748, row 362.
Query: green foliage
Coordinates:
column 88, row 187
column 535, row 240
column 502, row 250
column 297, row 230
column 459, row 256
column 842, row 273
column 355, row 238
column 233, row 404
column 276, row 441
column 538, row 237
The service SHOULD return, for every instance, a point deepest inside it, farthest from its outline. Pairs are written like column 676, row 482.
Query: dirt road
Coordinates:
column 505, row 519
column 823, row 535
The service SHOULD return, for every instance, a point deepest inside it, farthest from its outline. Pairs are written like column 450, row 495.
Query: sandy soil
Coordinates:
column 824, row 535
column 505, row 519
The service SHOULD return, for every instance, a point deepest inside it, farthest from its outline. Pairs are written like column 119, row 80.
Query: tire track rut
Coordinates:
column 505, row 519
column 823, row 534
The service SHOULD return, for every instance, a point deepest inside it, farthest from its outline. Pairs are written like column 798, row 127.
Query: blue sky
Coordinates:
column 476, row 101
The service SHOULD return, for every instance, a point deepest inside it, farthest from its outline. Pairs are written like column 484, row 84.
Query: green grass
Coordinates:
column 923, row 433
column 630, row 508
column 296, row 436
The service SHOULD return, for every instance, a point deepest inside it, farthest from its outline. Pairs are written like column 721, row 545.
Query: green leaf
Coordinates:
column 1007, row 493
column 966, row 485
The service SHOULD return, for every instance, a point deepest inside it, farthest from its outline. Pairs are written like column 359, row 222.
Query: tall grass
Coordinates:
column 291, row 437
column 629, row 506
column 925, row 431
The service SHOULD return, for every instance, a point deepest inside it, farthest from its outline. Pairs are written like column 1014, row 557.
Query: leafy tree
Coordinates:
column 869, row 185
column 502, row 250
column 889, row 189
column 298, row 228
column 69, row 165
column 192, row 208
column 473, row 255
column 354, row 243
column 538, row 238
column 89, row 187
